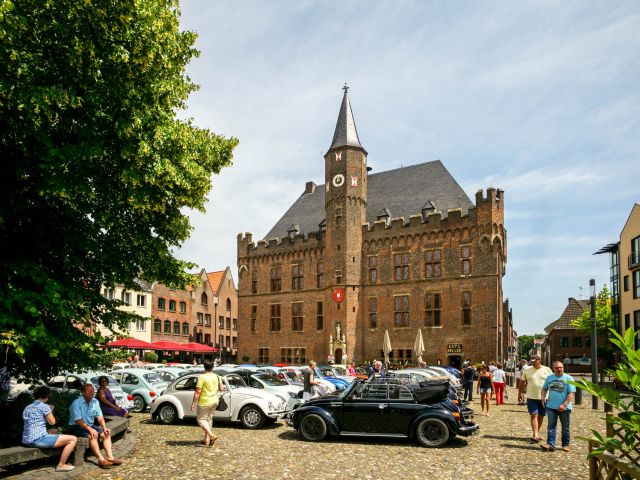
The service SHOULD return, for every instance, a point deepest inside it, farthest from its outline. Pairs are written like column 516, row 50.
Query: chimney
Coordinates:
column 310, row 187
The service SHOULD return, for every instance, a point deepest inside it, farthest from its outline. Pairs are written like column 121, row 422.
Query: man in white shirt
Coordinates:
column 533, row 379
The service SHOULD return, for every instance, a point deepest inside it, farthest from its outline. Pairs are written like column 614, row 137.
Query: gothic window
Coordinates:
column 320, row 275
column 276, row 279
column 254, row 318
column 274, row 318
column 297, row 277
column 432, row 310
column 373, row 312
column 254, row 281
column 319, row 316
column 466, row 308
column 401, row 266
column 432, row 265
column 401, row 311
column 203, row 299
column 465, row 256
column 296, row 317
column 228, row 304
column 373, row 269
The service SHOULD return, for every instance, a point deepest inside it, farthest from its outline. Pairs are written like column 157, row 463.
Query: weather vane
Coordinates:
column 345, row 89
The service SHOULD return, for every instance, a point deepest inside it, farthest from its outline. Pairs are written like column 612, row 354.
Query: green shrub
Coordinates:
column 627, row 404
column 151, row 357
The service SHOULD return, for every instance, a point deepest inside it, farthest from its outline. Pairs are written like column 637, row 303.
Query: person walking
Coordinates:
column 485, row 387
column 206, row 399
column 467, row 380
column 308, row 381
column 84, row 413
column 499, row 378
column 533, row 378
column 35, row 435
column 558, row 405
column 521, row 367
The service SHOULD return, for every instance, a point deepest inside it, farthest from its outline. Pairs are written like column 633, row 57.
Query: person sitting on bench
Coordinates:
column 35, row 435
column 85, row 412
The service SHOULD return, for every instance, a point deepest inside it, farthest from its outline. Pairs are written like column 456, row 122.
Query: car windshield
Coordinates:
column 153, row 378
column 112, row 381
column 270, row 380
column 327, row 372
column 291, row 376
column 340, row 371
column 235, row 381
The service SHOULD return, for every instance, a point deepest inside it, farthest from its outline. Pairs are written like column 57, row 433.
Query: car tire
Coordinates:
column 313, row 428
column 252, row 417
column 432, row 433
column 139, row 405
column 167, row 414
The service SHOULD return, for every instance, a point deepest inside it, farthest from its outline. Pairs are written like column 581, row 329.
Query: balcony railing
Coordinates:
column 634, row 260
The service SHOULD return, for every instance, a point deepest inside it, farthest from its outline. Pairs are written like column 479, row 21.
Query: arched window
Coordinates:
column 185, row 328
column 228, row 304
column 204, row 299
column 176, row 328
column 157, row 326
column 167, row 327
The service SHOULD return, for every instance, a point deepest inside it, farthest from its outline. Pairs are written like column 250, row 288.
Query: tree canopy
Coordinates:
column 97, row 168
column 526, row 343
column 605, row 319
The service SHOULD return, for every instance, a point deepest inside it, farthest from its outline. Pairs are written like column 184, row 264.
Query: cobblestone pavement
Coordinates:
column 500, row 450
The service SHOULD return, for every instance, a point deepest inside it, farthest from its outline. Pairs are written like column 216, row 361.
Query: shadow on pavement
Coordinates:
column 506, row 437
column 292, row 435
column 524, row 447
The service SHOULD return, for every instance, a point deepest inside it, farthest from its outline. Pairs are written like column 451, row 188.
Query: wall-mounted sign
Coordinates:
column 338, row 295
column 454, row 348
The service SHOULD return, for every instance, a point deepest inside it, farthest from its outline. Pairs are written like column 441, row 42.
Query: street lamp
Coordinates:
column 594, row 341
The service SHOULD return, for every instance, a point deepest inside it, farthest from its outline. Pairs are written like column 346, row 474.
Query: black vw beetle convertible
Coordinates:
column 384, row 407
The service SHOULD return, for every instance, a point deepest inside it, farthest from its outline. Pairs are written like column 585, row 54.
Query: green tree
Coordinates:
column 605, row 319
column 525, row 343
column 98, row 171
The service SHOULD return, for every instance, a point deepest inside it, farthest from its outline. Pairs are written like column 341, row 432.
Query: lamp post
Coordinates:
column 594, row 341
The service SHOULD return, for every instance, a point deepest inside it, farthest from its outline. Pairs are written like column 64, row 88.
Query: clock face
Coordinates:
column 338, row 180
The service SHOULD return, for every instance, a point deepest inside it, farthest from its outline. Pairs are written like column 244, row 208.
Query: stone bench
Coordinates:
column 20, row 454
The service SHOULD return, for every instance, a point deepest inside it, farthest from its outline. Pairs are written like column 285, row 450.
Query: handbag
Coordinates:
column 222, row 405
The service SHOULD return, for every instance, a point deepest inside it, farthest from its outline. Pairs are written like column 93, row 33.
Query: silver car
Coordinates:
column 75, row 381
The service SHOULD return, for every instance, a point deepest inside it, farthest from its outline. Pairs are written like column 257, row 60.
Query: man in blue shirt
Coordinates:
column 558, row 405
column 85, row 412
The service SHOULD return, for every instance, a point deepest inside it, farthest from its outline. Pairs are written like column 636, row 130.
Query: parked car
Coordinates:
column 254, row 378
column 386, row 407
column 328, row 375
column 169, row 374
column 144, row 385
column 336, row 372
column 250, row 406
column 75, row 381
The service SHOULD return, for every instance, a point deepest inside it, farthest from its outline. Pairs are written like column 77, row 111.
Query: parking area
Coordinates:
column 500, row 451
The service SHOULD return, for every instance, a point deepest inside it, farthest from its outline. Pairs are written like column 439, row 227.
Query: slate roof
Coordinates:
column 346, row 133
column 572, row 311
column 403, row 191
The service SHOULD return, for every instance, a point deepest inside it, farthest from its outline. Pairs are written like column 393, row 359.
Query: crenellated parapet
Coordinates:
column 273, row 248
column 486, row 218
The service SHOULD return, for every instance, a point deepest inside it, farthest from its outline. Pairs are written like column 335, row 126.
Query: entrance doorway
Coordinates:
column 338, row 356
column 455, row 361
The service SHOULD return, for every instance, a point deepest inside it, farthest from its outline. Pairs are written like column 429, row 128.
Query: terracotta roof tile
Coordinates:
column 214, row 280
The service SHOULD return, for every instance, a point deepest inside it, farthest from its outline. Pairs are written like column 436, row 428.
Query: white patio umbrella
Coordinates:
column 418, row 347
column 386, row 347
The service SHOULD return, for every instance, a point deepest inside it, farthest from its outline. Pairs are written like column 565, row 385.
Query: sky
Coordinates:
column 540, row 99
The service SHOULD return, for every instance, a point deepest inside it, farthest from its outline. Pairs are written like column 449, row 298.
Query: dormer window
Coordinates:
column 385, row 215
column 293, row 230
column 428, row 208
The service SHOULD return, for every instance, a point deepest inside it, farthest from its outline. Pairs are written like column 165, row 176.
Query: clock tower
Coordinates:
column 345, row 209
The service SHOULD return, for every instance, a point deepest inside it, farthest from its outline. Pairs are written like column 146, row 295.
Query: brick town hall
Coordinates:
column 400, row 250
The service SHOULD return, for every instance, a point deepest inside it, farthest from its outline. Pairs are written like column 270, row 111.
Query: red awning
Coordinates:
column 199, row 348
column 169, row 346
column 131, row 343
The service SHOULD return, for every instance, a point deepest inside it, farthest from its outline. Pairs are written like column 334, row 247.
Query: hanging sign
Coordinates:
column 338, row 295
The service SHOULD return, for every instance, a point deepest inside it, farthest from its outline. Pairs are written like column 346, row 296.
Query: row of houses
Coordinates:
column 572, row 346
column 206, row 313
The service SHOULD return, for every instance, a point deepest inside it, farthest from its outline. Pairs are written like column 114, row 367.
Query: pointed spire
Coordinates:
column 345, row 133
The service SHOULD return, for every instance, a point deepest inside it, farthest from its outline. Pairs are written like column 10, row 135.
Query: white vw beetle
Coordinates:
column 250, row 406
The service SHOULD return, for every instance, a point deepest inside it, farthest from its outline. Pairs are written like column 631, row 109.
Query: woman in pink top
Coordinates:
column 351, row 369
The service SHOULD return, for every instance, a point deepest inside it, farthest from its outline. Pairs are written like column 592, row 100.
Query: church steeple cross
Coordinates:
column 345, row 89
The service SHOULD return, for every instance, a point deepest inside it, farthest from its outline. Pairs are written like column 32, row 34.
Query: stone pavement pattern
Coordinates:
column 500, row 450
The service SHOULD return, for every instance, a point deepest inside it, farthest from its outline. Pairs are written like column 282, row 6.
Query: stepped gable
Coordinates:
column 403, row 191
